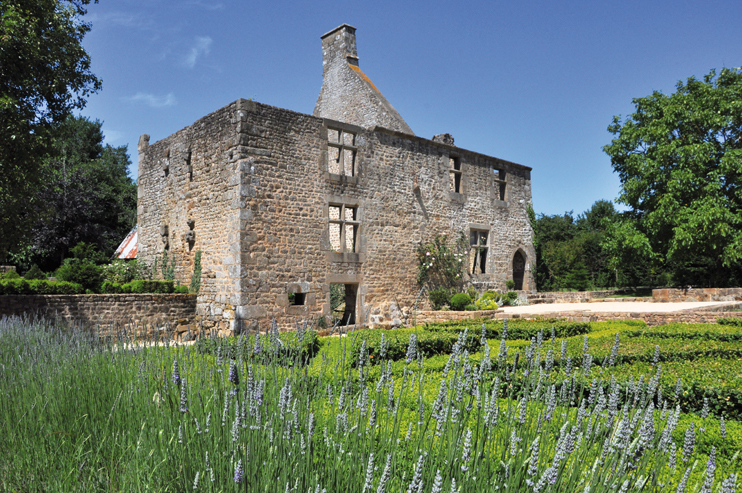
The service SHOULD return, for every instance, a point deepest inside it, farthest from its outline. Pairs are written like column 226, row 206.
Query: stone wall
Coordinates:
column 697, row 294
column 570, row 296
column 176, row 310
column 250, row 186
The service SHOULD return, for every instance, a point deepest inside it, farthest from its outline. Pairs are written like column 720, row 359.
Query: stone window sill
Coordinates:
column 343, row 179
column 346, row 257
column 456, row 197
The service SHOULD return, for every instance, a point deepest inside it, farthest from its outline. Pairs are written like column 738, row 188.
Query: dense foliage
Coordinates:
column 679, row 158
column 44, row 76
column 87, row 195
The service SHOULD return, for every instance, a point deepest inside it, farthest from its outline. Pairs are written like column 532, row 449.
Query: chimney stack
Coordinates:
column 347, row 94
column 339, row 45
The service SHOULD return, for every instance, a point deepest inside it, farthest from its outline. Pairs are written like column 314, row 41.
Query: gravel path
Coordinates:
column 617, row 307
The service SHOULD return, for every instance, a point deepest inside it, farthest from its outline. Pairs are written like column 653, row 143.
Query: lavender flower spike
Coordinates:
column 234, row 375
column 183, row 398
column 176, row 372
column 239, row 473
column 386, row 475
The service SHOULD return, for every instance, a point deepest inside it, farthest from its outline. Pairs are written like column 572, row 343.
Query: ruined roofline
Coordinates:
column 337, row 29
column 246, row 102
column 456, row 150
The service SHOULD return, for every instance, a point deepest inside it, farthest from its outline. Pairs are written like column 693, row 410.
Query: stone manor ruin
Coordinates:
column 282, row 205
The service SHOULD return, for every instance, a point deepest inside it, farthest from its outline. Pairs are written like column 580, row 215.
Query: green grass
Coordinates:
column 81, row 415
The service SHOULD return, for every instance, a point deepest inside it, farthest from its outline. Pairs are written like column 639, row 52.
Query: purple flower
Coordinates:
column 234, row 375
column 239, row 473
column 176, row 373
column 183, row 399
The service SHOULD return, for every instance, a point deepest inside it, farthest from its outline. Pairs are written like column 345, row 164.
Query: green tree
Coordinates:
column 679, row 159
column 87, row 195
column 569, row 250
column 44, row 75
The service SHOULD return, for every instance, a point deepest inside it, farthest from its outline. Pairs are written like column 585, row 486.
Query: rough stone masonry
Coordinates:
column 283, row 205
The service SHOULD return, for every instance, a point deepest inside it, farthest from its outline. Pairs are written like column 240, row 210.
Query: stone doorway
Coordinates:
column 519, row 269
column 343, row 300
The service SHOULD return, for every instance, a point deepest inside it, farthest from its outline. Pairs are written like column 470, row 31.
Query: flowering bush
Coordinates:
column 441, row 264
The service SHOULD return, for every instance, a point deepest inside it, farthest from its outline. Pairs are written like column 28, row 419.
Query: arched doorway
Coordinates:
column 519, row 269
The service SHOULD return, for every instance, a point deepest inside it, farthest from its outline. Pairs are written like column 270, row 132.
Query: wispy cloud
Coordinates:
column 123, row 19
column 202, row 47
column 206, row 5
column 112, row 137
column 153, row 101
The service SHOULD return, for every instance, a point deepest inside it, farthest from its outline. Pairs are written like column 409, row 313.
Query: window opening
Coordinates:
column 500, row 182
column 341, row 152
column 344, row 227
column 479, row 248
column 454, row 171
column 297, row 299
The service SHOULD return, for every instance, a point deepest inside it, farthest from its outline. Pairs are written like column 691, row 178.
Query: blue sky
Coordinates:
column 534, row 82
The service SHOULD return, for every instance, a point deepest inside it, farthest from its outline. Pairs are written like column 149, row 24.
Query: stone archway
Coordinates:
column 519, row 269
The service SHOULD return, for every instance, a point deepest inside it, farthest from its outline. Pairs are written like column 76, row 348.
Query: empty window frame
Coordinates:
column 478, row 241
column 297, row 299
column 454, row 172
column 341, row 152
column 500, row 183
column 344, row 225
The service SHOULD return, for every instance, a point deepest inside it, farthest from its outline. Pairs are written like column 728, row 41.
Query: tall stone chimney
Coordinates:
column 347, row 94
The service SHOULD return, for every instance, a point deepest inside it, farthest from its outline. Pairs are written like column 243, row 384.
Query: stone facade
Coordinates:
column 282, row 205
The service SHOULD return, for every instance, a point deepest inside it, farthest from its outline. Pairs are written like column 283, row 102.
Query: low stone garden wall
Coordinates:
column 176, row 311
column 569, row 296
column 697, row 294
column 651, row 319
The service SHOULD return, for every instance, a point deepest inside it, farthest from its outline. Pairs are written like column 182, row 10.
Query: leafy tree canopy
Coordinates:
column 44, row 75
column 87, row 195
column 679, row 158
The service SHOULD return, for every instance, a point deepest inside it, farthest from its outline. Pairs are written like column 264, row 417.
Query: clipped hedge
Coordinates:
column 139, row 286
column 37, row 286
column 517, row 329
column 428, row 343
column 735, row 322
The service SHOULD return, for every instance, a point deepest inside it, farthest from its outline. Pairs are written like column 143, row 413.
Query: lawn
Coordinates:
column 441, row 408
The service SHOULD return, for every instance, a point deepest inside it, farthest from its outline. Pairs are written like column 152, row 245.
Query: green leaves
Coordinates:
column 679, row 159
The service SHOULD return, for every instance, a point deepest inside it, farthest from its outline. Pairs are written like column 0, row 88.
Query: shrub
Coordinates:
column 34, row 273
column 11, row 274
column 459, row 301
column 64, row 287
column 441, row 265
column 470, row 308
column 38, row 286
column 487, row 301
column 439, row 297
column 15, row 286
column 141, row 286
column 181, row 289
column 122, row 271
column 517, row 329
column 510, row 284
column 90, row 276
column 736, row 322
